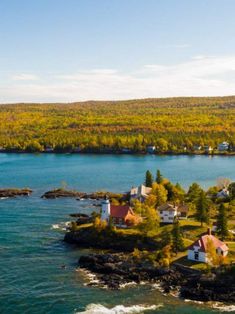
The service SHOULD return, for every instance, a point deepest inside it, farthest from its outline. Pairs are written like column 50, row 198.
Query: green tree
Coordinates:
column 231, row 190
column 159, row 177
column 175, row 192
column 194, row 192
column 148, row 179
column 150, row 223
column 222, row 222
column 160, row 192
column 177, row 238
column 202, row 208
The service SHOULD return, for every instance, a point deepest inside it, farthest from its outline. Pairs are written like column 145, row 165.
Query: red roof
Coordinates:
column 119, row 211
column 202, row 243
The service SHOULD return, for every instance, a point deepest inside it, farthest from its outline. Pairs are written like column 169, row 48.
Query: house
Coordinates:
column 168, row 212
column 182, row 211
column 224, row 193
column 121, row 215
column 197, row 147
column 198, row 250
column 151, row 149
column 208, row 149
column 77, row 149
column 222, row 147
column 48, row 149
column 139, row 193
column 214, row 227
column 126, row 150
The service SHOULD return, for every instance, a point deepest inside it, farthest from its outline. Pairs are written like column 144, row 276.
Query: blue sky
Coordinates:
column 68, row 50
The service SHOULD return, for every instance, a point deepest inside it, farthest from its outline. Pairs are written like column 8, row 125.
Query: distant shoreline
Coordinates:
column 224, row 154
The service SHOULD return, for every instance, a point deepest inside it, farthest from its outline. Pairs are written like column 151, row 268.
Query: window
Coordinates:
column 196, row 256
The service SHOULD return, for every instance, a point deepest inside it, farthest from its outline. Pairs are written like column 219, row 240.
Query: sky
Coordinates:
column 75, row 50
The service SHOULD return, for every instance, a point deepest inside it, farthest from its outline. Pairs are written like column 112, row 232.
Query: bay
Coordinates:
column 31, row 247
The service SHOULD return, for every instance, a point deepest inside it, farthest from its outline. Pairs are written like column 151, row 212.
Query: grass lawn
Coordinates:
column 181, row 258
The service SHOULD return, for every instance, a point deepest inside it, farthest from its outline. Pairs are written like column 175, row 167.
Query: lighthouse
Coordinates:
column 105, row 211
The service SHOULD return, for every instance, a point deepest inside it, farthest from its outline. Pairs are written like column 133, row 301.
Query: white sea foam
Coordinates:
column 193, row 301
column 118, row 309
column 223, row 307
column 128, row 284
column 90, row 277
column 55, row 226
column 61, row 226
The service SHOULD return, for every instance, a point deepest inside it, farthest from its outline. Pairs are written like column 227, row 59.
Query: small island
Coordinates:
column 13, row 192
column 159, row 233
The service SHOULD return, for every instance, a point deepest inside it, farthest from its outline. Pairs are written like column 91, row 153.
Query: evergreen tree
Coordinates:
column 194, row 192
column 159, row 177
column 231, row 189
column 148, row 179
column 177, row 239
column 202, row 208
column 222, row 222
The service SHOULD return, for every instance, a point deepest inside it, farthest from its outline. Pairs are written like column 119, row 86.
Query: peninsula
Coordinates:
column 182, row 240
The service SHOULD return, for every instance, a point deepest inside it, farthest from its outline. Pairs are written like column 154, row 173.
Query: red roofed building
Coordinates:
column 121, row 215
column 198, row 250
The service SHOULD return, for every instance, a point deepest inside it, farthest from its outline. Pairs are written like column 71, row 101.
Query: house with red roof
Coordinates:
column 121, row 215
column 198, row 250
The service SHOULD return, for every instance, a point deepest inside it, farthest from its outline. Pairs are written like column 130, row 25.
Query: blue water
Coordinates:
column 31, row 250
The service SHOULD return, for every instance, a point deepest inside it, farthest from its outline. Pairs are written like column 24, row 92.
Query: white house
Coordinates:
column 197, row 147
column 224, row 193
column 48, row 149
column 208, row 149
column 151, row 149
column 198, row 250
column 168, row 212
column 140, row 193
column 222, row 147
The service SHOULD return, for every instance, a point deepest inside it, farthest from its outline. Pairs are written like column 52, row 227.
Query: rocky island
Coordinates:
column 61, row 192
column 12, row 192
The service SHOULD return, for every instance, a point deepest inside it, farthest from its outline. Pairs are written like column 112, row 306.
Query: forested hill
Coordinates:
column 169, row 123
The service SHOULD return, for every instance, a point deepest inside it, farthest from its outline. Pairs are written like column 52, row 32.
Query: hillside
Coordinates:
column 169, row 123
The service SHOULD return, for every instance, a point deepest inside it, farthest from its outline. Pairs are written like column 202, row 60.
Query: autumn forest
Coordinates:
column 171, row 124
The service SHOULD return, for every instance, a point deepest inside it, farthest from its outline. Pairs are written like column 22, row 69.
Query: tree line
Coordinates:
column 170, row 124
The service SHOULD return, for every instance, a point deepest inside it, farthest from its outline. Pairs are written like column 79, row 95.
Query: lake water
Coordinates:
column 31, row 250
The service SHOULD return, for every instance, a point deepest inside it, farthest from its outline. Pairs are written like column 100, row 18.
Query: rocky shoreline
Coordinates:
column 15, row 192
column 114, row 270
column 58, row 193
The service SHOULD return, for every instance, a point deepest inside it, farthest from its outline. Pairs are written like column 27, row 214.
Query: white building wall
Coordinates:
column 105, row 211
column 168, row 216
column 201, row 256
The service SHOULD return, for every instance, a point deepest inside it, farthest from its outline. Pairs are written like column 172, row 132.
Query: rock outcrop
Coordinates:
column 82, row 195
column 115, row 270
column 15, row 192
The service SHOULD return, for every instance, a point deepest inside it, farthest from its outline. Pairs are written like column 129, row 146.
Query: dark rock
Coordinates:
column 15, row 192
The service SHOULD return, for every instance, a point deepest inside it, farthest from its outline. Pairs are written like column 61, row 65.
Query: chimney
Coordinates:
column 209, row 231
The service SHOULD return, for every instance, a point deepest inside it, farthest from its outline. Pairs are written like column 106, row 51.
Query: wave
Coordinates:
column 118, row 309
column 89, row 276
column 61, row 226
column 223, row 307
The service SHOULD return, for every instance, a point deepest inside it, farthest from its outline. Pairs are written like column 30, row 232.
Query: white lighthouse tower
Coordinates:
column 105, row 211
